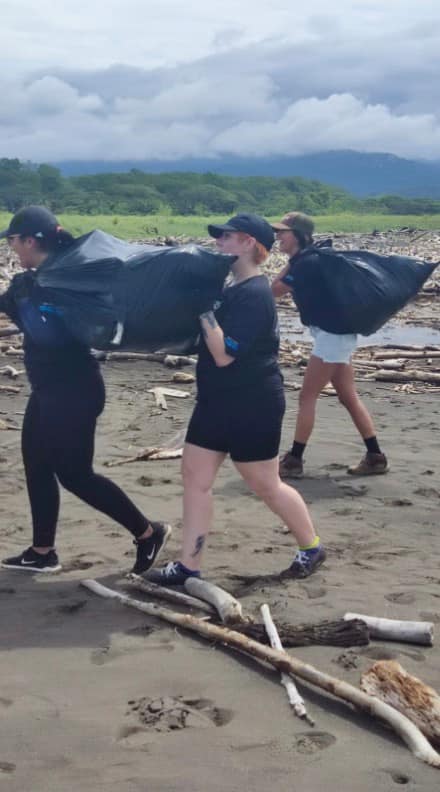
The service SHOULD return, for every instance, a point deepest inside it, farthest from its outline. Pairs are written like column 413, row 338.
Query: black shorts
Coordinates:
column 245, row 425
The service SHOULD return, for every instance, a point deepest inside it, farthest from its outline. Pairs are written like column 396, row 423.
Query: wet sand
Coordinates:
column 78, row 672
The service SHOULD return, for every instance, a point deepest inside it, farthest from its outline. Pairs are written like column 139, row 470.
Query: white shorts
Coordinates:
column 332, row 348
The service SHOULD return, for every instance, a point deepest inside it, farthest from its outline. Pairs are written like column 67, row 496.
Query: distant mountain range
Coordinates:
column 360, row 173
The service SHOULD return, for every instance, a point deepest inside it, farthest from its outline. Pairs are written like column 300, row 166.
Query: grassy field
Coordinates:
column 139, row 227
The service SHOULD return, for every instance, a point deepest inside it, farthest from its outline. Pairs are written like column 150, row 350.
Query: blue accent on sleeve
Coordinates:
column 230, row 343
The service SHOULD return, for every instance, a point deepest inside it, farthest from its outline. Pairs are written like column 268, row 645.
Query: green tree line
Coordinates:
column 180, row 193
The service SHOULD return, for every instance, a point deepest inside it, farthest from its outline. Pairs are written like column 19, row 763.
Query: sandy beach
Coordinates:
column 77, row 672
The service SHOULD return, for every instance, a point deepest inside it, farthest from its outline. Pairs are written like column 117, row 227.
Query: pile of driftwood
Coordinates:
column 414, row 369
column 404, row 703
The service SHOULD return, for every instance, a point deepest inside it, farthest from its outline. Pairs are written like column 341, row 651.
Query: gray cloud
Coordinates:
column 363, row 79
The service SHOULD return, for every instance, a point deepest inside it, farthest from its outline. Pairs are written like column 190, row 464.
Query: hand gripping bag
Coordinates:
column 354, row 291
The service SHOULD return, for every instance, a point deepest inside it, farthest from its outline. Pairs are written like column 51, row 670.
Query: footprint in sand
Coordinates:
column 401, row 598
column 311, row 742
column 398, row 777
column 7, row 767
column 353, row 491
column 167, row 714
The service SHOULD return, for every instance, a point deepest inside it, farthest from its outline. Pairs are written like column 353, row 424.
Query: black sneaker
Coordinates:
column 173, row 574
column 149, row 549
column 30, row 561
column 305, row 562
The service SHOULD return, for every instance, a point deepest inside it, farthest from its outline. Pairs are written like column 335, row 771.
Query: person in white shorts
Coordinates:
column 330, row 362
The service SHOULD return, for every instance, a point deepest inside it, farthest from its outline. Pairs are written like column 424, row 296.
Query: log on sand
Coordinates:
column 389, row 682
column 326, row 633
column 411, row 735
column 228, row 608
column 396, row 630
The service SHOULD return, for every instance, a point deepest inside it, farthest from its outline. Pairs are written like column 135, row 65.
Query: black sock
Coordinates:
column 298, row 449
column 372, row 445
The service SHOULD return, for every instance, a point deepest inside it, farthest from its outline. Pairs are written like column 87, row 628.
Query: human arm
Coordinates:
column 279, row 288
column 215, row 339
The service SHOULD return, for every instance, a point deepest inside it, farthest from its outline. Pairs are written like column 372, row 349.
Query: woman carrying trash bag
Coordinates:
column 240, row 406
column 67, row 396
column 330, row 362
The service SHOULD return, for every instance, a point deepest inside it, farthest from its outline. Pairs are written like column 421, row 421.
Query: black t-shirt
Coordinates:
column 248, row 317
column 51, row 353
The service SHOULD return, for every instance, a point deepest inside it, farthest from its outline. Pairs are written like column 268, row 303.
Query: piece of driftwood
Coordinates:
column 168, row 594
column 177, row 361
column 9, row 389
column 11, row 372
column 389, row 682
column 417, row 632
column 228, row 608
column 5, row 332
column 171, row 449
column 410, row 375
column 159, row 394
column 325, row 633
column 413, row 354
column 295, row 700
column 153, row 357
column 409, row 733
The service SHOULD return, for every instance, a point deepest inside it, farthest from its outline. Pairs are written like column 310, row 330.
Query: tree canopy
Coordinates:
column 136, row 192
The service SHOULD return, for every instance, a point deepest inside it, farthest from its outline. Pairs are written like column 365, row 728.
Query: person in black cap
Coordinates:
column 240, row 406
column 67, row 396
column 330, row 362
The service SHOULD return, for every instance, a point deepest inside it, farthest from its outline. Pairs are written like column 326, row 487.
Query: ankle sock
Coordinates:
column 313, row 546
column 186, row 571
column 298, row 449
column 372, row 445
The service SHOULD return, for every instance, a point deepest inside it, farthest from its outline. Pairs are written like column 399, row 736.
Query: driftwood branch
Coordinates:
column 389, row 682
column 5, row 332
column 228, row 608
column 409, row 733
column 168, row 594
column 395, row 630
column 325, row 633
column 410, row 375
column 295, row 700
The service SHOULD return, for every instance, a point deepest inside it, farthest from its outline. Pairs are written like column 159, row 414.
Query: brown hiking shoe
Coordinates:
column 290, row 466
column 370, row 465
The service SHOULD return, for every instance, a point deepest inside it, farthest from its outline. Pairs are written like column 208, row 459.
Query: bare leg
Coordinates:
column 284, row 501
column 317, row 375
column 199, row 469
column 343, row 382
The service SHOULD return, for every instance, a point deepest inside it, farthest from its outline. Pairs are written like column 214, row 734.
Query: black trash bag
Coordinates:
column 115, row 293
column 354, row 291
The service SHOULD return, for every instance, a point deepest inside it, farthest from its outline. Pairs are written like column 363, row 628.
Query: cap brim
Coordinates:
column 280, row 227
column 217, row 230
column 4, row 234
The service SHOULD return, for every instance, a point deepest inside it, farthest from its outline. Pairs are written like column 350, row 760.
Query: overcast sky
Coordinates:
column 147, row 79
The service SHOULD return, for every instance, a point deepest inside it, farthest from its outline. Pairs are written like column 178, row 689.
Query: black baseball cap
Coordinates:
column 32, row 221
column 251, row 224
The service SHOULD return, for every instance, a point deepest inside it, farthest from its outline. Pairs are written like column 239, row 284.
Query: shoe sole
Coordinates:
column 29, row 568
column 368, row 472
column 291, row 474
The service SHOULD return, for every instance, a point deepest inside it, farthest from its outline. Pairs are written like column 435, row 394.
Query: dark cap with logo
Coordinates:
column 251, row 224
column 296, row 222
column 32, row 221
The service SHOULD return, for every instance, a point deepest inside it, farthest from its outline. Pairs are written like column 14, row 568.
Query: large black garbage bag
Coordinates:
column 112, row 292
column 354, row 291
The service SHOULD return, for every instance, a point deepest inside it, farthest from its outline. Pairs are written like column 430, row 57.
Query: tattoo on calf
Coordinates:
column 200, row 541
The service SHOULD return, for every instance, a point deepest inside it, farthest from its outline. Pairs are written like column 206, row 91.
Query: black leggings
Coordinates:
column 58, row 444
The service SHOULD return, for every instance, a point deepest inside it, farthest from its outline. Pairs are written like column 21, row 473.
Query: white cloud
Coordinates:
column 159, row 79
